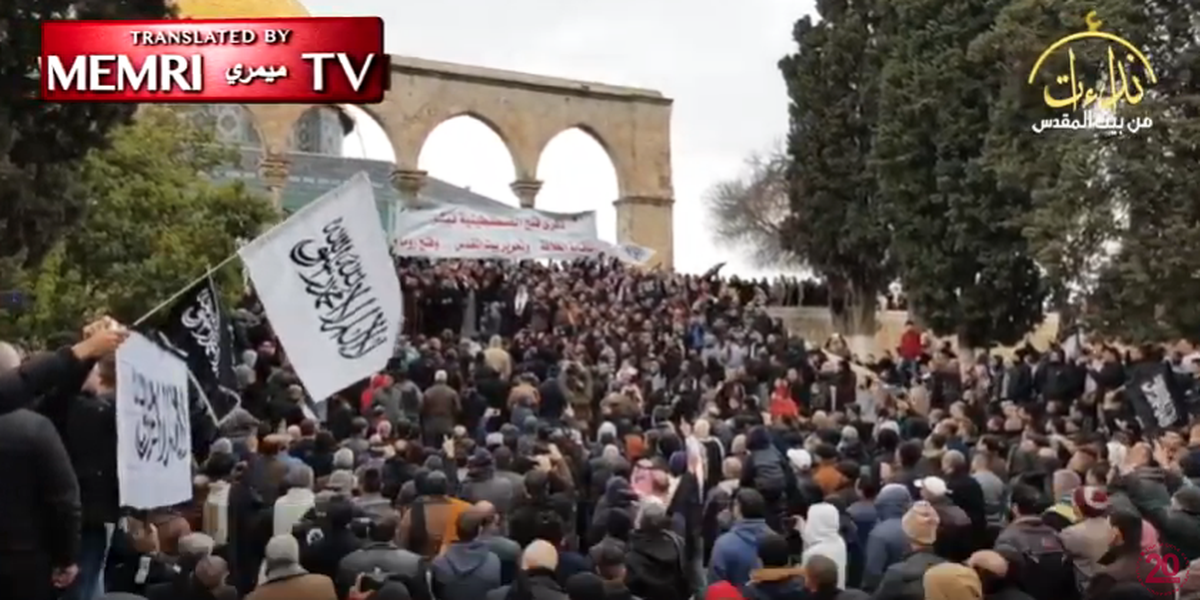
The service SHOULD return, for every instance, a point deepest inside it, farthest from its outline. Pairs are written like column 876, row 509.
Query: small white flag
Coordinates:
column 154, row 433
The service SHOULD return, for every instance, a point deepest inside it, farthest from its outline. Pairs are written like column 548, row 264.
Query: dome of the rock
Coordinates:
column 240, row 9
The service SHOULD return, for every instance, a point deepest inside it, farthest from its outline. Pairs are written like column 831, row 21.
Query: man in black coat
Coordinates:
column 967, row 494
column 87, row 424
column 40, row 500
column 39, row 529
column 382, row 555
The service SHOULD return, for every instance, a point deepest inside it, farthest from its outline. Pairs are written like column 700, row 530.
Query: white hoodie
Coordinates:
column 821, row 536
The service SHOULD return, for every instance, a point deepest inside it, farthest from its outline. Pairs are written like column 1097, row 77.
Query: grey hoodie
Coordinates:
column 467, row 571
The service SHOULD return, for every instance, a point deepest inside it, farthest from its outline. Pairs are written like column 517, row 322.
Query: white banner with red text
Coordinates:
column 522, row 222
column 518, row 235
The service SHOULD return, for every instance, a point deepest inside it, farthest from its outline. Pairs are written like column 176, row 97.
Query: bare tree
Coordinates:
column 749, row 210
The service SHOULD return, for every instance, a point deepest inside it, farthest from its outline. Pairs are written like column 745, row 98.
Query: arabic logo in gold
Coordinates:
column 1122, row 83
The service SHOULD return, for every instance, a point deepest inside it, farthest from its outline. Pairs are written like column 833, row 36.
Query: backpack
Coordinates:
column 1046, row 572
column 410, row 402
column 768, row 471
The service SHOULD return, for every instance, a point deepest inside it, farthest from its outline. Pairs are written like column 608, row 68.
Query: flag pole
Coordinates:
column 183, row 290
column 274, row 228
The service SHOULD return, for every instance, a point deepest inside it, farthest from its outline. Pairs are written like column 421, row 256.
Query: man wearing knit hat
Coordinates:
column 952, row 581
column 904, row 580
column 1087, row 541
column 954, row 539
column 997, row 579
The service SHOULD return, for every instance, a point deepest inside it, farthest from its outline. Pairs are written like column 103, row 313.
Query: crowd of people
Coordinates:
column 591, row 431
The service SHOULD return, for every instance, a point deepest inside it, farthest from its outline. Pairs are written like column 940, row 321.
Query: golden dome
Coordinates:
column 240, row 9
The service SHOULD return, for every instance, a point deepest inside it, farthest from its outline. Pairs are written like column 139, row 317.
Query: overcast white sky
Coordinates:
column 716, row 59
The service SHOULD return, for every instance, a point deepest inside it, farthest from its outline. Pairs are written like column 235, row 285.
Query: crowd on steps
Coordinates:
column 590, row 431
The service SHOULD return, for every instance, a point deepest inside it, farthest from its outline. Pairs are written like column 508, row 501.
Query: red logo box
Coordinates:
column 318, row 60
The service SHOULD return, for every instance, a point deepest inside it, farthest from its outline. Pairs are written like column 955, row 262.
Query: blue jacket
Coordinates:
column 865, row 517
column 696, row 336
column 735, row 554
column 467, row 571
column 886, row 544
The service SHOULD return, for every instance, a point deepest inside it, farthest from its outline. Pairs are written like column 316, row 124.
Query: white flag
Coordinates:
column 154, row 433
column 329, row 288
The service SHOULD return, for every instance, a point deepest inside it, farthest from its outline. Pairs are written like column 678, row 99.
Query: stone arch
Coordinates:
column 598, row 137
column 492, row 124
column 527, row 111
column 382, row 123
column 577, row 172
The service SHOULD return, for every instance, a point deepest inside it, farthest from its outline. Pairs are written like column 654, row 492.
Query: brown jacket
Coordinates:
column 829, row 479
column 441, row 402
column 523, row 390
column 617, row 405
column 441, row 518
column 297, row 587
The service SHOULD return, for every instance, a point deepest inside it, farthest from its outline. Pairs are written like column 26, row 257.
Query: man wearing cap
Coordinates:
column 954, row 539
column 483, row 485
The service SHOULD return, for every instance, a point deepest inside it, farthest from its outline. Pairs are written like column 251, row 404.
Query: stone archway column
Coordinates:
column 409, row 182
column 648, row 221
column 526, row 191
column 273, row 171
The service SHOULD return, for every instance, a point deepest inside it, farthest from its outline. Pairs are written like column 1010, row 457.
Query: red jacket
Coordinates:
column 782, row 405
column 368, row 394
column 910, row 345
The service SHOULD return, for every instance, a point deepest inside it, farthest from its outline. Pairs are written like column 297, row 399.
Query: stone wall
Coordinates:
column 814, row 325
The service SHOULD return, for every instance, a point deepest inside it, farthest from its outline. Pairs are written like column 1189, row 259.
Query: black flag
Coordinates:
column 1157, row 400
column 199, row 327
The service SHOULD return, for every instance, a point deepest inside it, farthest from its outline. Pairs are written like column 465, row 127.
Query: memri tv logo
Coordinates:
column 1123, row 80
column 294, row 60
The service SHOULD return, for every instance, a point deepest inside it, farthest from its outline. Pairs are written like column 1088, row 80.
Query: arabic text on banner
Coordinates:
column 329, row 287
column 519, row 235
column 525, row 221
column 154, row 435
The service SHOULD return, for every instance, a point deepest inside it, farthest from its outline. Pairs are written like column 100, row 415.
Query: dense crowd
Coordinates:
column 588, row 431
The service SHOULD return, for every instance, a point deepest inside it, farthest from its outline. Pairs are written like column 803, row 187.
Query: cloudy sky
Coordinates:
column 716, row 59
